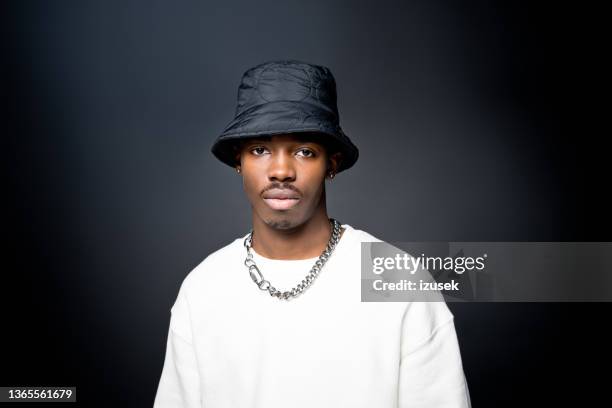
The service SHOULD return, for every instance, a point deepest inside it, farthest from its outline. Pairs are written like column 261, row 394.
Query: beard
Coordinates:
column 279, row 224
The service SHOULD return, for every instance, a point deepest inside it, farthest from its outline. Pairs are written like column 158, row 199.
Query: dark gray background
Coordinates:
column 476, row 121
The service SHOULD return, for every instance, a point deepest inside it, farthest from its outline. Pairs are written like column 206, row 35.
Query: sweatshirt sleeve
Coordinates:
column 179, row 385
column 431, row 370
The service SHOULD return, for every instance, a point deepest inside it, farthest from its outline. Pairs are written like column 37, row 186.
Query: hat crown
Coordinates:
column 286, row 96
column 287, row 81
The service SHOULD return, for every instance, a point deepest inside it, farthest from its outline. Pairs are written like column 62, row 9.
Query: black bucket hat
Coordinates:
column 286, row 96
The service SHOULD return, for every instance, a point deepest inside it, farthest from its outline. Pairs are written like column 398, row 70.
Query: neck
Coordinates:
column 302, row 242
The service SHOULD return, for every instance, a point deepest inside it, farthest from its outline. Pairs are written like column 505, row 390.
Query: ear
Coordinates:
column 333, row 163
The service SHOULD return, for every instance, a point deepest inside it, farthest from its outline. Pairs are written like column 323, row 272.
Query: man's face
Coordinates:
column 283, row 178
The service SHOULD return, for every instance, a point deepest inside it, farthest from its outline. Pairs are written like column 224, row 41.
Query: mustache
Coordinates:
column 282, row 186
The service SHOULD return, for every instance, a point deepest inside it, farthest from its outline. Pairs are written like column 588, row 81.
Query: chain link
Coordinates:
column 263, row 284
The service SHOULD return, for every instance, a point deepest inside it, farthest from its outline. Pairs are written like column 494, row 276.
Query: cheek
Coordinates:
column 315, row 186
column 317, row 177
column 250, row 185
column 253, row 184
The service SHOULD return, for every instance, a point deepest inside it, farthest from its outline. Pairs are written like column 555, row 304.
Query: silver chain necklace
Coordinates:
column 263, row 284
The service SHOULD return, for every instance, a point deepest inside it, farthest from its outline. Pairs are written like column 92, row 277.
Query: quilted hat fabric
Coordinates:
column 287, row 96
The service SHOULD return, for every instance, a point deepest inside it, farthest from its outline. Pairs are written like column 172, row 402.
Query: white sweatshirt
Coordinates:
column 231, row 344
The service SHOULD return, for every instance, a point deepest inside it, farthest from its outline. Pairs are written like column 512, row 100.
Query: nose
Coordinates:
column 281, row 168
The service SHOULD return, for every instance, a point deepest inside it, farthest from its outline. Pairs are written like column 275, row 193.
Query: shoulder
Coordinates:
column 213, row 268
column 420, row 319
column 371, row 246
column 360, row 235
column 424, row 320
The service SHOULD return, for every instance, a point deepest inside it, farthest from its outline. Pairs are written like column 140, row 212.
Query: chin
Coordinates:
column 281, row 222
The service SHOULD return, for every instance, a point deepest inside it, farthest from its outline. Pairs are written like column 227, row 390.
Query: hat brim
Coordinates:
column 281, row 117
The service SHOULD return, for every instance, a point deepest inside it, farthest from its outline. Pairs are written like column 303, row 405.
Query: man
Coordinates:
column 275, row 318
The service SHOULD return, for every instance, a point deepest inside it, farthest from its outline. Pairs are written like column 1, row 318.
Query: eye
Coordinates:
column 306, row 152
column 258, row 151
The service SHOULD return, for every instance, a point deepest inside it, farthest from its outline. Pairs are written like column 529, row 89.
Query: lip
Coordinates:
column 279, row 194
column 281, row 203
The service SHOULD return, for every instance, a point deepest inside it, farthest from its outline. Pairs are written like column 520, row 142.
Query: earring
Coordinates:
column 238, row 170
column 331, row 176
